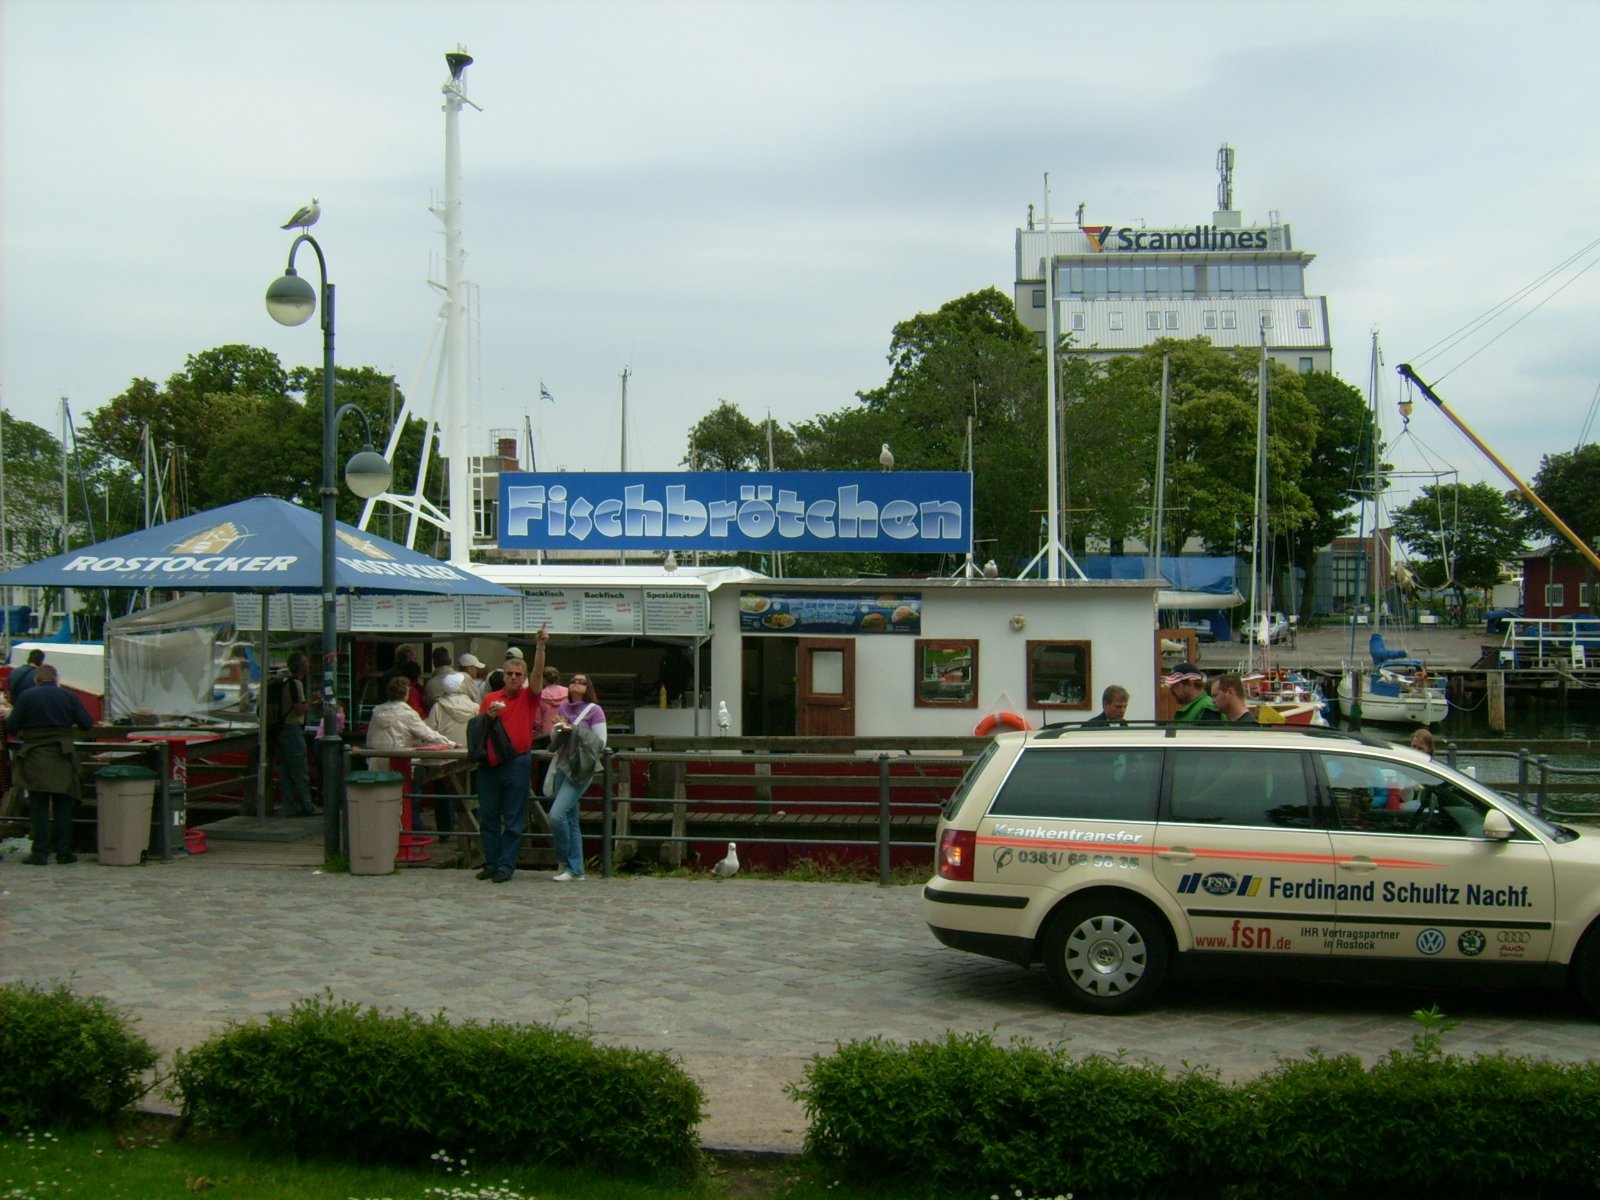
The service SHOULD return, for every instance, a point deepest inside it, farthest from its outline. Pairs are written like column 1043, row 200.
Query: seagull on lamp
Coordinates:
column 991, row 569
column 886, row 458
column 304, row 217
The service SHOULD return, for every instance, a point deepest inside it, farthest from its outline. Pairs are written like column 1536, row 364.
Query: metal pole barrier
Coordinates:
column 1450, row 755
column 605, row 813
column 1543, row 794
column 168, row 816
column 883, row 820
column 1522, row 777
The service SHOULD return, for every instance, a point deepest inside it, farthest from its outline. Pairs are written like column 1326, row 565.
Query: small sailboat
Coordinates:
column 1395, row 688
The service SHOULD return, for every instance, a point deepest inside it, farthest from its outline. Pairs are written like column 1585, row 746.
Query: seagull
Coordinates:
column 304, row 217
column 728, row 866
column 724, row 719
column 886, row 459
column 991, row 569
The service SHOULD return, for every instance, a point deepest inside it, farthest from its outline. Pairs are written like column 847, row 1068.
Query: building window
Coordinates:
column 1305, row 366
column 1266, row 320
column 1230, row 319
column 1078, row 323
column 1555, row 595
column 1114, row 320
column 1058, row 675
column 1209, row 319
column 1172, row 319
column 1302, row 318
column 1038, row 297
column 947, row 675
column 1583, row 595
column 1038, row 340
column 1152, row 320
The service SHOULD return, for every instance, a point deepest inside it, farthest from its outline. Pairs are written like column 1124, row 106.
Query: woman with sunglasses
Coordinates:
column 580, row 739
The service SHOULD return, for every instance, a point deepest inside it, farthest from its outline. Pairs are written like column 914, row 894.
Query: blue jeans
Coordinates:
column 503, row 811
column 564, row 828
column 289, row 742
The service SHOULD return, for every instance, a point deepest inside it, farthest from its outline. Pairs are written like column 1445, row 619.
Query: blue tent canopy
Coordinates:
column 261, row 544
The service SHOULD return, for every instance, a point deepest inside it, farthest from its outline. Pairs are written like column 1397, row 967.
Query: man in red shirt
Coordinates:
column 503, row 786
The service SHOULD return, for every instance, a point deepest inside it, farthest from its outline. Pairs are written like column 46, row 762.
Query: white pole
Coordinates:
column 1052, row 452
column 458, row 438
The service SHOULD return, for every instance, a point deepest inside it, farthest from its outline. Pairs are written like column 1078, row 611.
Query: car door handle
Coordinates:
column 1176, row 854
column 1359, row 863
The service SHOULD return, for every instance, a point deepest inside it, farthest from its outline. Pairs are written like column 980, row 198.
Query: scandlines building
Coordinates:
column 1120, row 287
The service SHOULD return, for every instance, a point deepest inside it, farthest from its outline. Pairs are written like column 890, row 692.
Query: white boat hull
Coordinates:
column 1397, row 703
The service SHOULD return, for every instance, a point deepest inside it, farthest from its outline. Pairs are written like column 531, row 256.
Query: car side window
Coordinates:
column 1371, row 796
column 1084, row 784
column 1250, row 787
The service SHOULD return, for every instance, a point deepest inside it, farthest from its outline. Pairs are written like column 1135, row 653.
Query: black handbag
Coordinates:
column 488, row 741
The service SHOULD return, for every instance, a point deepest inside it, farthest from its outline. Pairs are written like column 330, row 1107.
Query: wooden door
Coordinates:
column 827, row 687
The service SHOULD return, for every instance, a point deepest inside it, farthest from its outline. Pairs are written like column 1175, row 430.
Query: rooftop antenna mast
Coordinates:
column 1225, row 178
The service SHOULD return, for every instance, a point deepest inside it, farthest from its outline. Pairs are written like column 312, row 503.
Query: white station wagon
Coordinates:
column 1119, row 857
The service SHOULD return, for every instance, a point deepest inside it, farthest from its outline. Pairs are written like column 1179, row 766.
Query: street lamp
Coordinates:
column 290, row 301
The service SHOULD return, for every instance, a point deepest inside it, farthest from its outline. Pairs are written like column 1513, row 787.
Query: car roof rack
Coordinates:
column 1173, row 729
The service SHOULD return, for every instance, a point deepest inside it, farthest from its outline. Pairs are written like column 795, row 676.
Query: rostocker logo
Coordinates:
column 209, row 541
column 364, row 545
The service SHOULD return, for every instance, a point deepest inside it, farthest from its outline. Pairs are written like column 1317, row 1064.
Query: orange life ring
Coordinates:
column 993, row 721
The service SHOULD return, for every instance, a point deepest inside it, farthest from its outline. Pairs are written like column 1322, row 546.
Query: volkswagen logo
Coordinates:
column 1430, row 942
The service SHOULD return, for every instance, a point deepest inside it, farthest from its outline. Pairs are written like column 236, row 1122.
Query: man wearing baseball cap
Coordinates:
column 1187, row 683
column 473, row 668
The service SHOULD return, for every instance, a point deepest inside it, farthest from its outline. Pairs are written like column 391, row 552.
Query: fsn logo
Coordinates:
column 1218, row 883
column 1430, row 941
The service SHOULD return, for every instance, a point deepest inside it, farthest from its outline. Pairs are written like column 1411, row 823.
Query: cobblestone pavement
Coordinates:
column 744, row 980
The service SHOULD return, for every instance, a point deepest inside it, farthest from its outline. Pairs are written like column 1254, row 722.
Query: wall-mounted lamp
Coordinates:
column 1018, row 623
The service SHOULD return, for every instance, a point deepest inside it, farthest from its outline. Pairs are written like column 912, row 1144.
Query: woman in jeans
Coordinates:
column 580, row 725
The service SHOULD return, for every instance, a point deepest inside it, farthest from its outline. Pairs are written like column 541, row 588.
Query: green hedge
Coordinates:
column 66, row 1060
column 973, row 1117
column 336, row 1078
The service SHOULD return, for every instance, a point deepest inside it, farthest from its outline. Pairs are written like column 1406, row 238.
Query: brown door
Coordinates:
column 827, row 671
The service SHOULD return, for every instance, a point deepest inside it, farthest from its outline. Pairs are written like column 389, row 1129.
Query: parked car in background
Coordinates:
column 1200, row 628
column 1265, row 627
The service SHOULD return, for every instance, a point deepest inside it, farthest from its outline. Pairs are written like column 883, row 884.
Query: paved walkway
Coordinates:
column 744, row 980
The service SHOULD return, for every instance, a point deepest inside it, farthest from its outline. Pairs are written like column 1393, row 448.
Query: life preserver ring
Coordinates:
column 993, row 721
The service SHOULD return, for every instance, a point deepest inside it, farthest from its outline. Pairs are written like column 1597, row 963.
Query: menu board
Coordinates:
column 491, row 614
column 682, row 612
column 372, row 613
column 549, row 608
column 830, row 612
column 610, row 610
column 431, row 613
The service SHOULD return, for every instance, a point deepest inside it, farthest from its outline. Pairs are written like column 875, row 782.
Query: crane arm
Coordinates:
column 1532, row 497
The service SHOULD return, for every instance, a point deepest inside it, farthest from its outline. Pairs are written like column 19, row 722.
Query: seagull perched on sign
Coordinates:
column 728, row 866
column 304, row 217
column 886, row 459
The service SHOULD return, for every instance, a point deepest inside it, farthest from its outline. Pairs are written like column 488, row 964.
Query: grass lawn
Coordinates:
column 144, row 1161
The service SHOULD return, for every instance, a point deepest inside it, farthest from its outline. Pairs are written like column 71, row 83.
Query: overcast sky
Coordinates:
column 739, row 200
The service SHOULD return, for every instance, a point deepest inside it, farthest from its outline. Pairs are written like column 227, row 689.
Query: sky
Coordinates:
column 739, row 200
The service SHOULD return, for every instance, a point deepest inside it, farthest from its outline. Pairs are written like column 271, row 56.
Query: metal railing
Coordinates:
column 1538, row 778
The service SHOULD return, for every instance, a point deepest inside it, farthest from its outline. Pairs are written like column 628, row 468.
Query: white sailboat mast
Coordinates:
column 458, row 430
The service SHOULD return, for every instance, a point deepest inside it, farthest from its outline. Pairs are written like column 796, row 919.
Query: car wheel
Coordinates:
column 1105, row 954
column 1586, row 969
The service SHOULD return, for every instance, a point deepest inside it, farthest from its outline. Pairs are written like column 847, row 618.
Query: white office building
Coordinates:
column 1119, row 287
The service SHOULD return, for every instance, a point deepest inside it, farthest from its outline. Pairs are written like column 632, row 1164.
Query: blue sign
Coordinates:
column 882, row 511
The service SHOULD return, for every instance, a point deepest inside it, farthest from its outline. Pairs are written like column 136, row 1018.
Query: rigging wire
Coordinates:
column 1456, row 337
column 1588, row 421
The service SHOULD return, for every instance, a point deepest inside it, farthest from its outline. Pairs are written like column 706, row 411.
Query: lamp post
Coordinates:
column 290, row 301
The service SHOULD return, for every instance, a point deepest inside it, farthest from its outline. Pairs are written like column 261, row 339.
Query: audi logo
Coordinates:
column 1513, row 937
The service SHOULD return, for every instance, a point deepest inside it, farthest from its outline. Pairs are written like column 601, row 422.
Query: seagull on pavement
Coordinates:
column 728, row 866
column 886, row 459
column 304, row 217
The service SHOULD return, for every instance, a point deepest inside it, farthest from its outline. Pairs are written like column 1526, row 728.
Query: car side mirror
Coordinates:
column 1497, row 826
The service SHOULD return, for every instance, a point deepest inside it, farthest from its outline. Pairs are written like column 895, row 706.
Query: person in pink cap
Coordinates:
column 1187, row 683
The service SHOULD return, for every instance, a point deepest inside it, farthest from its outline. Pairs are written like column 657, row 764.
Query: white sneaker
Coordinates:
column 564, row 877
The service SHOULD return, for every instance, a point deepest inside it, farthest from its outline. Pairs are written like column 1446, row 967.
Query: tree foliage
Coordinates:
column 1337, row 473
column 727, row 440
column 32, row 490
column 1462, row 535
column 1569, row 483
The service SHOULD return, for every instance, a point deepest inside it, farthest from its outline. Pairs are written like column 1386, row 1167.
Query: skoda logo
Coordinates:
column 1513, row 937
column 1430, row 942
column 1219, row 883
column 1472, row 942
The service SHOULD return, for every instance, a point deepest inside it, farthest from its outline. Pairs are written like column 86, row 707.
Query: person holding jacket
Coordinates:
column 449, row 715
column 396, row 726
column 42, row 721
column 503, row 783
column 579, row 742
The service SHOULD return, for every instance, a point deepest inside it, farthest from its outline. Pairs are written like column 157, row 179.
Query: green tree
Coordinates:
column 369, row 390
column 727, row 440
column 1462, row 535
column 1569, row 483
column 33, row 490
column 1337, row 473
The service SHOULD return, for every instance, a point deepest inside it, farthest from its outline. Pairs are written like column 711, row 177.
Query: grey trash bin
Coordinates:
column 123, row 796
column 374, row 798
